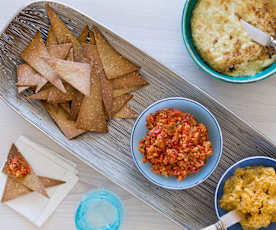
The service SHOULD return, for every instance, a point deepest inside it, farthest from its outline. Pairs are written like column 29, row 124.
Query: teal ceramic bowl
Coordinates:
column 201, row 114
column 187, row 37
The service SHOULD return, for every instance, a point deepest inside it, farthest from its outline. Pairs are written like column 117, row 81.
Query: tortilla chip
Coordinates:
column 114, row 64
column 51, row 39
column 91, row 116
column 83, row 36
column 42, row 95
column 59, row 51
column 66, row 107
column 129, row 80
column 32, row 55
column 76, row 74
column 31, row 180
column 91, row 38
column 56, row 96
column 26, row 76
column 62, row 32
column 67, row 126
column 21, row 89
column 119, row 102
column 90, row 51
column 13, row 189
column 119, row 92
column 125, row 112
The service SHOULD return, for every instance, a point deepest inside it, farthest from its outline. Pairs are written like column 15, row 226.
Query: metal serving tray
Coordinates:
column 110, row 153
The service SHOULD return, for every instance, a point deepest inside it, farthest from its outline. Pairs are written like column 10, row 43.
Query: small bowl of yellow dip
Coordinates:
column 249, row 186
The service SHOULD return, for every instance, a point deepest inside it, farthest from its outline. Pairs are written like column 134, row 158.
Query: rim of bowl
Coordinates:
column 142, row 171
column 208, row 69
column 229, row 169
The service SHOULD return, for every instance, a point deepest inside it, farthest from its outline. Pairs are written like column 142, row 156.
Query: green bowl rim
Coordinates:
column 209, row 70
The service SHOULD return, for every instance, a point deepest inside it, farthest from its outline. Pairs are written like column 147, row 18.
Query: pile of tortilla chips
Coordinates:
column 18, row 186
column 82, row 82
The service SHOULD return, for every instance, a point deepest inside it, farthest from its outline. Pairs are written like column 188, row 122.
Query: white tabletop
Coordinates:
column 153, row 26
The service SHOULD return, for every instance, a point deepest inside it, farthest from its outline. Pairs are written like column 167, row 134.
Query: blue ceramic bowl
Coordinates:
column 202, row 115
column 250, row 161
column 187, row 37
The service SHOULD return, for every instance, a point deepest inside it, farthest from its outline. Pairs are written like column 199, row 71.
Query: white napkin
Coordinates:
column 44, row 162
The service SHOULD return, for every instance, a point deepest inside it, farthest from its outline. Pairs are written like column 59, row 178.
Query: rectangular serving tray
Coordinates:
column 110, row 153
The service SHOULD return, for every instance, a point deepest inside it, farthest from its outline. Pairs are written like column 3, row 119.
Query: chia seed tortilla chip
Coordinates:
column 51, row 39
column 114, row 64
column 125, row 112
column 128, row 80
column 66, row 107
column 56, row 96
column 119, row 92
column 62, row 119
column 13, row 189
column 119, row 102
column 31, row 180
column 27, row 76
column 42, row 95
column 32, row 55
column 77, row 74
column 83, row 36
column 59, row 51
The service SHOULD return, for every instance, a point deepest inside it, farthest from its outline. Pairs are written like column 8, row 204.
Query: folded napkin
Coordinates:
column 46, row 163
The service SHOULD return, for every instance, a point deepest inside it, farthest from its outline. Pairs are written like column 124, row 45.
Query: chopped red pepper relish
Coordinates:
column 175, row 144
column 18, row 167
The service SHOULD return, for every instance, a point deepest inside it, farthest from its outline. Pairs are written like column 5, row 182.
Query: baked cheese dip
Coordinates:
column 221, row 40
column 252, row 192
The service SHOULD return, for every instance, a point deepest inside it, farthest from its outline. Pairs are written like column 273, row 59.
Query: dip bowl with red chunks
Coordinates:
column 176, row 143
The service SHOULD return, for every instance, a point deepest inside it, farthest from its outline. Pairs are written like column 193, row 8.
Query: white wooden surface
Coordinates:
column 153, row 26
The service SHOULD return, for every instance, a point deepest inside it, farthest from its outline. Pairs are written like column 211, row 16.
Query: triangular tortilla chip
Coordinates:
column 114, row 64
column 32, row 55
column 13, row 189
column 125, row 112
column 91, row 116
column 90, row 51
column 119, row 92
column 70, row 56
column 76, row 104
column 56, row 96
column 66, row 107
column 128, row 80
column 51, row 39
column 26, row 76
column 77, row 74
column 59, row 51
column 119, row 102
column 67, row 126
column 62, row 32
column 42, row 95
column 83, row 36
column 22, row 88
column 31, row 180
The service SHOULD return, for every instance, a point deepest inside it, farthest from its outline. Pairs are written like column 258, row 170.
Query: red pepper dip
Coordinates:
column 175, row 144
column 17, row 167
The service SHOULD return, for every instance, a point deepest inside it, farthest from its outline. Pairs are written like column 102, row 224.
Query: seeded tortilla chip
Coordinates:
column 13, row 189
column 51, row 39
column 119, row 92
column 90, row 51
column 26, row 76
column 32, row 55
column 91, row 116
column 128, row 80
column 42, row 95
column 114, row 64
column 77, row 74
column 91, row 38
column 62, row 33
column 30, row 180
column 66, row 107
column 21, row 89
column 56, row 96
column 119, row 102
column 59, row 51
column 67, row 126
column 83, row 37
column 125, row 112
